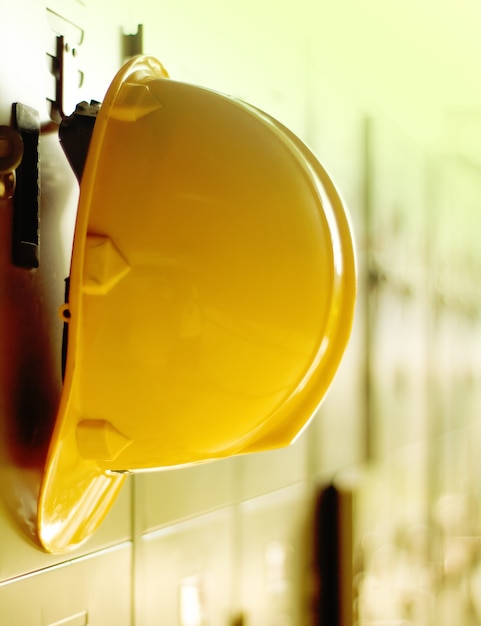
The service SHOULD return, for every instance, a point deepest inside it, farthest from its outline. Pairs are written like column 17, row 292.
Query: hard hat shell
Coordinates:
column 212, row 291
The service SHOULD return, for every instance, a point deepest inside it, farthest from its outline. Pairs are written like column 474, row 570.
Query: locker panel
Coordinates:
column 454, row 393
column 30, row 328
column 184, row 573
column 276, row 558
column 91, row 591
column 269, row 471
column 398, row 295
column 30, row 376
column 393, row 575
column 19, row 556
column 30, row 332
column 455, row 262
column 392, row 521
column 398, row 369
column 162, row 498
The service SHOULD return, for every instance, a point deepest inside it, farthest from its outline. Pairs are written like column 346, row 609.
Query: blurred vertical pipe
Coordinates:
column 334, row 557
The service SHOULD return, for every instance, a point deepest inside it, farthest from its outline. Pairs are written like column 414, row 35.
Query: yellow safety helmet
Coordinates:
column 212, row 291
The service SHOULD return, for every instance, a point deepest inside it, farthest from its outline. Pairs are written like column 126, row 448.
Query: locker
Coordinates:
column 93, row 590
column 164, row 498
column 276, row 568
column 185, row 575
column 30, row 329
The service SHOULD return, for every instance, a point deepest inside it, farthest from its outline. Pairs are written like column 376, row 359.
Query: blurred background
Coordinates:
column 373, row 516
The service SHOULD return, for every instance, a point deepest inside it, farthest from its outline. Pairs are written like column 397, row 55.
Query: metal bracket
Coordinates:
column 58, row 69
column 63, row 59
column 133, row 44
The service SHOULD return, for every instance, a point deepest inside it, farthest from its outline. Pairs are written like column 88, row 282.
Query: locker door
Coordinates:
column 30, row 296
